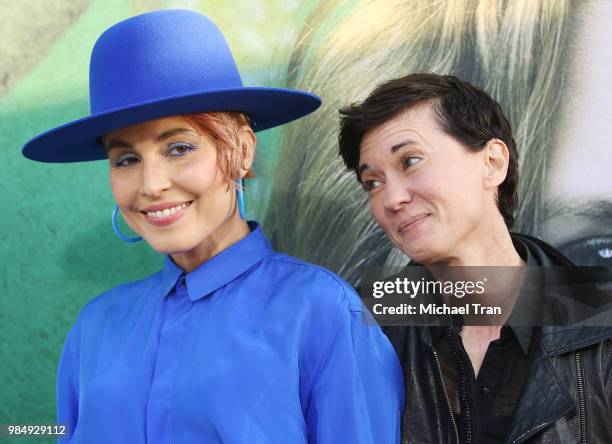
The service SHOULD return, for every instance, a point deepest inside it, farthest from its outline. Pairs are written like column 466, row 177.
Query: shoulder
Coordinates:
column 316, row 283
column 117, row 298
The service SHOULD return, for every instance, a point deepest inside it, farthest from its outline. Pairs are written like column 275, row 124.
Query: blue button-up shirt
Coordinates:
column 253, row 346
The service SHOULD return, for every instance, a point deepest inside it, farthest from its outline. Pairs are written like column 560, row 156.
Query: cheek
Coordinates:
column 452, row 189
column 198, row 175
column 199, row 180
column 378, row 211
column 124, row 188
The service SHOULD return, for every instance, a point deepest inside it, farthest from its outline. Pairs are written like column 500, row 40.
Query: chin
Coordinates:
column 420, row 257
column 170, row 246
column 421, row 251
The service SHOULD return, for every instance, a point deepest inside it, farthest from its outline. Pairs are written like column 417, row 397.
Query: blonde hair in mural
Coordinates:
column 511, row 49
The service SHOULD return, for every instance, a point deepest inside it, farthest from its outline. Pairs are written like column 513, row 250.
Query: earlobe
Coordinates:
column 496, row 158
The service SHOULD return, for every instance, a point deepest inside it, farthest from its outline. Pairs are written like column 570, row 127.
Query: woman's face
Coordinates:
column 167, row 183
column 426, row 189
column 578, row 192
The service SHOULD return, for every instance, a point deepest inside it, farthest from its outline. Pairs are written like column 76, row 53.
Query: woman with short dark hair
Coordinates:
column 437, row 159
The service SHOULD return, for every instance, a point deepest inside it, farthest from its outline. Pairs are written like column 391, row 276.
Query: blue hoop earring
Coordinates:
column 119, row 234
column 240, row 194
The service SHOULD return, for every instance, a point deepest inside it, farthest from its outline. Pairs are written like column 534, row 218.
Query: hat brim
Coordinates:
column 78, row 141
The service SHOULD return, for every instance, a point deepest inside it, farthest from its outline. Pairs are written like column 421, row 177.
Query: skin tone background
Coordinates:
column 58, row 250
column 580, row 205
column 529, row 55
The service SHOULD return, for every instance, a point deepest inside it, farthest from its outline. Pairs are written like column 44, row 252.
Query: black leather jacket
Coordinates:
column 567, row 397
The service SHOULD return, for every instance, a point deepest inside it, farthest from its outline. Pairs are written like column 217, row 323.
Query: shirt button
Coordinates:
column 484, row 391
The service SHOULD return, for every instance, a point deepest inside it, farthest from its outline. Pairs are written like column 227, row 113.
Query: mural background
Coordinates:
column 543, row 60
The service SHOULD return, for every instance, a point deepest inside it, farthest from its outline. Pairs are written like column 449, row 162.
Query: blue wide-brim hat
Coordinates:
column 160, row 64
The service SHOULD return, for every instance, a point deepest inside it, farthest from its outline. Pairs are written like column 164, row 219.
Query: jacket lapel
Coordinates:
column 543, row 401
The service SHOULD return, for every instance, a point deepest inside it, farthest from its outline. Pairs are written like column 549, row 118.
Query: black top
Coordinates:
column 484, row 406
column 552, row 414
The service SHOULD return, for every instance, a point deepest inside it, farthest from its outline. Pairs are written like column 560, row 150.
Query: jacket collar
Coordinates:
column 221, row 269
column 561, row 339
column 554, row 339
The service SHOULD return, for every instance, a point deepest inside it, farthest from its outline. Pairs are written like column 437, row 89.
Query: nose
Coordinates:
column 396, row 194
column 154, row 179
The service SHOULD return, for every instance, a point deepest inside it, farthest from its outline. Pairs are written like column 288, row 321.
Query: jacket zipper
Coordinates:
column 584, row 438
column 448, row 403
column 528, row 433
column 465, row 373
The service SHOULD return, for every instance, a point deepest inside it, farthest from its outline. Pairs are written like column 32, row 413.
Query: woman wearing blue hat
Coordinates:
column 231, row 342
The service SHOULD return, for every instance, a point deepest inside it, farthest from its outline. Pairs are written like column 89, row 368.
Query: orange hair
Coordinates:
column 232, row 145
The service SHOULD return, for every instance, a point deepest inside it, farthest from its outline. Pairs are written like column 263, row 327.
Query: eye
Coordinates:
column 590, row 251
column 125, row 161
column 179, row 149
column 370, row 185
column 409, row 161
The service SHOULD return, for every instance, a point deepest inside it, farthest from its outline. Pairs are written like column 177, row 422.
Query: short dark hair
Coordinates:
column 460, row 109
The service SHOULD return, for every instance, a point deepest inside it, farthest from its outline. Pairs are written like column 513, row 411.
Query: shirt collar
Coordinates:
column 522, row 333
column 220, row 269
column 170, row 274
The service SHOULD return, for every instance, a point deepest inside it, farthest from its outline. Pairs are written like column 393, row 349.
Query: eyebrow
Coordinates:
column 117, row 143
column 393, row 150
column 402, row 144
column 172, row 132
column 595, row 209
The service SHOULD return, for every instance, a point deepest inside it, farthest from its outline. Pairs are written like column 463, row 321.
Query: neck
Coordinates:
column 489, row 244
column 226, row 235
column 487, row 255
